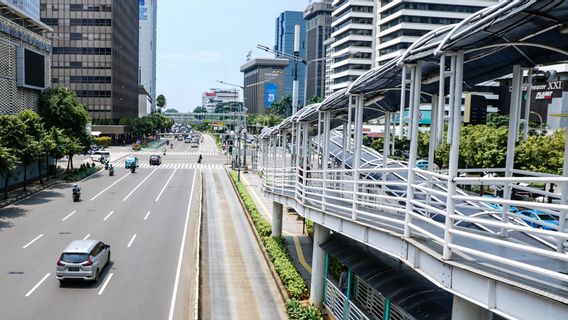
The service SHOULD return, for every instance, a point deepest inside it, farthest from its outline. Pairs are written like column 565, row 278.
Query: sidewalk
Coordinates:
column 299, row 245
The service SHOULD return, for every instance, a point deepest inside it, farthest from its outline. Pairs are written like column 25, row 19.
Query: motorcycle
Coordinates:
column 76, row 195
column 133, row 169
column 199, row 159
column 111, row 171
column 171, row 146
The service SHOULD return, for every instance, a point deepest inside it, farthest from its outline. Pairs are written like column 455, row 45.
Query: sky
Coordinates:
column 200, row 42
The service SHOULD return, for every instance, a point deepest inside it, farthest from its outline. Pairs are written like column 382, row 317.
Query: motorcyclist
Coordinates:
column 164, row 151
column 133, row 169
column 111, row 170
column 171, row 146
column 199, row 159
column 106, row 161
column 76, row 189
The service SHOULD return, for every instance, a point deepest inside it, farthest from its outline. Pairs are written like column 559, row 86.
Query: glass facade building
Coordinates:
column 95, row 54
column 28, row 7
column 148, row 37
column 285, row 43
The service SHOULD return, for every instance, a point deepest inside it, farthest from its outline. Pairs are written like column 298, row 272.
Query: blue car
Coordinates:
column 422, row 164
column 539, row 216
column 497, row 206
column 131, row 162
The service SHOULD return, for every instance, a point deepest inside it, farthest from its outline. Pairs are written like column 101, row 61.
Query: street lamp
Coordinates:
column 539, row 118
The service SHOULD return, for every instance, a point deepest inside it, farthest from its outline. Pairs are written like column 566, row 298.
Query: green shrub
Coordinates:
column 102, row 141
column 136, row 147
column 297, row 311
column 285, row 268
column 77, row 175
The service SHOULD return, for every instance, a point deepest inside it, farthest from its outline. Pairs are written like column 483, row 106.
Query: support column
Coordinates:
column 457, row 78
column 465, row 310
column 416, row 88
column 402, row 103
column 516, row 91
column 357, row 144
column 321, row 235
column 277, row 212
column 325, row 158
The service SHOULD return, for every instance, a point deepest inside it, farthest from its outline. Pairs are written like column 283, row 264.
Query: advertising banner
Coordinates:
column 271, row 94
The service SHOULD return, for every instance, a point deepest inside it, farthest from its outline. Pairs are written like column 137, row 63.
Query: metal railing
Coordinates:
column 476, row 224
column 339, row 305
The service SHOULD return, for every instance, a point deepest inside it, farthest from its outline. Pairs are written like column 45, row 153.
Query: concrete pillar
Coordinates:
column 465, row 310
column 277, row 211
column 321, row 235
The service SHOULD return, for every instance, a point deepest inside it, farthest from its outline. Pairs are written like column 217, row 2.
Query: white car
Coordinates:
column 99, row 155
column 83, row 259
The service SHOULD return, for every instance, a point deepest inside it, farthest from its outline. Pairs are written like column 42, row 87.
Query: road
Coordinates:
column 142, row 216
column 150, row 219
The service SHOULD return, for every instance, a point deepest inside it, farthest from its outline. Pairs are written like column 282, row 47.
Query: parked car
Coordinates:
column 130, row 162
column 99, row 155
column 497, row 206
column 83, row 259
column 155, row 160
column 422, row 164
column 543, row 220
column 187, row 139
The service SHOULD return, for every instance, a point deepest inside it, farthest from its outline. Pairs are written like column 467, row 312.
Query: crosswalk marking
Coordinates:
column 180, row 153
column 145, row 165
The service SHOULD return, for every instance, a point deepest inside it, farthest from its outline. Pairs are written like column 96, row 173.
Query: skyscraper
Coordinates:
column 28, row 7
column 95, row 54
column 401, row 22
column 352, row 49
column 318, row 29
column 285, row 43
column 148, row 37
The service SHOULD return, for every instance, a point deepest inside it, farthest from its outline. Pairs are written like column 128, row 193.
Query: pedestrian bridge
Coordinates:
column 493, row 261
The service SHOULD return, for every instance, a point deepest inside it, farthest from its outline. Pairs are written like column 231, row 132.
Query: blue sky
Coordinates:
column 200, row 42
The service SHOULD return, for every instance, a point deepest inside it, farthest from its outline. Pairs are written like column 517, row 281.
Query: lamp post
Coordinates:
column 539, row 118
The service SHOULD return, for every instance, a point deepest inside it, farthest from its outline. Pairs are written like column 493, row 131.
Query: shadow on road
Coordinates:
column 8, row 214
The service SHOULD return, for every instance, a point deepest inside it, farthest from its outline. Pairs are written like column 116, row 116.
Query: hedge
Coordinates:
column 298, row 311
column 82, row 173
column 280, row 257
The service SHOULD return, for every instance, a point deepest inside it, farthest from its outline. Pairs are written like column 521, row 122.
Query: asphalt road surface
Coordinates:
column 236, row 282
column 149, row 218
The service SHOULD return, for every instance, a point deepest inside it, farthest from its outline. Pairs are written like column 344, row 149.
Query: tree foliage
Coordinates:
column 60, row 108
column 313, row 100
column 282, row 108
column 199, row 109
column 542, row 153
column 161, row 102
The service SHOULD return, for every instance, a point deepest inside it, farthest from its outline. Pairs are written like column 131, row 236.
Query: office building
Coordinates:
column 353, row 30
column 25, row 60
column 285, row 24
column 263, row 83
column 328, row 63
column 147, row 58
column 215, row 96
column 29, row 8
column 95, row 54
column 318, row 29
column 401, row 22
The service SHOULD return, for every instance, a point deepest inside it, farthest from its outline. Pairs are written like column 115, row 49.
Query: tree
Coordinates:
column 542, row 153
column 171, row 110
column 497, row 120
column 35, row 132
column 13, row 135
column 59, row 139
column 8, row 163
column 72, row 146
column 199, row 109
column 160, row 102
column 313, row 100
column 60, row 108
column 282, row 108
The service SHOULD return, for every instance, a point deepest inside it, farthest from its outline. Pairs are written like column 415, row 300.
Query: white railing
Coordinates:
column 477, row 222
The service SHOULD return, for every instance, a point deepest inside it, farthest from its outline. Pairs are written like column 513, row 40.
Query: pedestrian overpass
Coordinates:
column 229, row 119
column 444, row 244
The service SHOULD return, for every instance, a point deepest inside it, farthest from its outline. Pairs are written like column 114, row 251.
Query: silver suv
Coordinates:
column 83, row 259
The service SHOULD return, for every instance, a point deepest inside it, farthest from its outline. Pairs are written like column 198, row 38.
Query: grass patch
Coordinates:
column 280, row 257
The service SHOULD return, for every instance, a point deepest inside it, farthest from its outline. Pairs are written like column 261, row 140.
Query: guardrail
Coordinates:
column 477, row 223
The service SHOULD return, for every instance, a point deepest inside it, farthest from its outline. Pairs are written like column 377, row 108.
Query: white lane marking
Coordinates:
column 37, row 285
column 138, row 186
column 164, row 188
column 181, row 249
column 87, row 237
column 117, row 181
column 34, row 240
column 146, row 216
column 108, row 215
column 68, row 216
column 131, row 241
column 106, row 283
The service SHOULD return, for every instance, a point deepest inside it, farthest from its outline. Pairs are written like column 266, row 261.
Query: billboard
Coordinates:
column 143, row 10
column 271, row 94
